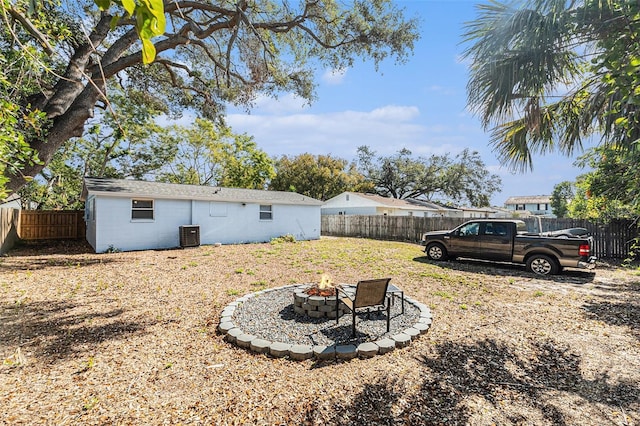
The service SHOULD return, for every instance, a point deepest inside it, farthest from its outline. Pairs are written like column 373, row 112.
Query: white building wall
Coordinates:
column 242, row 223
column 115, row 228
column 350, row 201
column 225, row 223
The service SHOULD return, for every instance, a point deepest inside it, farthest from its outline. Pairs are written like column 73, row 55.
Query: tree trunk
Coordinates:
column 74, row 98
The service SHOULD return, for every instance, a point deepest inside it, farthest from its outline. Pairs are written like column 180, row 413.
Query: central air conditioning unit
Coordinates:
column 190, row 236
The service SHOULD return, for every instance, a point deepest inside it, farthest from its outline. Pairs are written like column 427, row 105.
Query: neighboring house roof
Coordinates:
column 479, row 209
column 143, row 189
column 529, row 199
column 431, row 205
column 390, row 202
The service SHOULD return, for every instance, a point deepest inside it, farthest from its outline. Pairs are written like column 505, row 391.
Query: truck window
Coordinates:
column 469, row 229
column 500, row 229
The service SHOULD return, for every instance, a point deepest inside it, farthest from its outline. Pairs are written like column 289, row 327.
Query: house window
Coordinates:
column 141, row 209
column 347, row 197
column 265, row 212
column 519, row 206
column 410, row 214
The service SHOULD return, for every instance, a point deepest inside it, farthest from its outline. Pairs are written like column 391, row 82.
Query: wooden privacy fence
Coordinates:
column 611, row 240
column 51, row 225
column 9, row 219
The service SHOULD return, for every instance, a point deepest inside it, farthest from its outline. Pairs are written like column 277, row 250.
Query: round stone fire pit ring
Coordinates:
column 289, row 322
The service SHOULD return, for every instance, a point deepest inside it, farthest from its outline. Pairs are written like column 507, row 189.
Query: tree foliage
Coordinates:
column 63, row 65
column 210, row 154
column 561, row 197
column 463, row 178
column 130, row 146
column 321, row 177
column 548, row 73
column 610, row 190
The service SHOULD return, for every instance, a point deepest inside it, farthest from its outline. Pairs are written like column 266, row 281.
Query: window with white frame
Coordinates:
column 142, row 209
column 265, row 212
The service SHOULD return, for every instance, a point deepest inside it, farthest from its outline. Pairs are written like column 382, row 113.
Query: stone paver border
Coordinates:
column 298, row 352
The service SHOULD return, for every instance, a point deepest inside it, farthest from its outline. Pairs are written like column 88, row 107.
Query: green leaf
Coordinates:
column 148, row 51
column 129, row 6
column 114, row 22
column 103, row 4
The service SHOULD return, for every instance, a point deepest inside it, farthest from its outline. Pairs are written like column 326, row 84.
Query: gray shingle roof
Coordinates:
column 529, row 199
column 144, row 189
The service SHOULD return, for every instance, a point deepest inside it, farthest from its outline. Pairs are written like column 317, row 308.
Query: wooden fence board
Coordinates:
column 9, row 219
column 51, row 225
column 612, row 240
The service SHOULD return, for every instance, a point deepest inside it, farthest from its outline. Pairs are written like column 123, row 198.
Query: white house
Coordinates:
column 539, row 205
column 355, row 203
column 130, row 215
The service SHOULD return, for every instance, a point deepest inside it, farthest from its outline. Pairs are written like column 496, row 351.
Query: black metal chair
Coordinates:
column 368, row 294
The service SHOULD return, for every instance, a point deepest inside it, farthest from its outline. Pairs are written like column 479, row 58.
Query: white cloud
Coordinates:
column 283, row 104
column 334, row 77
column 386, row 130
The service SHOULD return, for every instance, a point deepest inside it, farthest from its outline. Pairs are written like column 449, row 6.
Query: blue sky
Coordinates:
column 420, row 105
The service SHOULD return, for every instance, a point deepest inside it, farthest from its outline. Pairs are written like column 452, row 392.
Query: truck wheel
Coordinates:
column 542, row 265
column 436, row 251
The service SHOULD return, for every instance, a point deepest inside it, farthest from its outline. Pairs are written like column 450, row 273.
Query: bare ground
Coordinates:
column 130, row 338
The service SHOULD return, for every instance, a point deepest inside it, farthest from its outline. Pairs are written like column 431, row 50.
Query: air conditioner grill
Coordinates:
column 190, row 236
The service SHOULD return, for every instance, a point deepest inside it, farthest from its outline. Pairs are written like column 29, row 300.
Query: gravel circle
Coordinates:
column 270, row 315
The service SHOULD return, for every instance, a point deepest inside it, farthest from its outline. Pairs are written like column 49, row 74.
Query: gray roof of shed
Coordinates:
column 144, row 189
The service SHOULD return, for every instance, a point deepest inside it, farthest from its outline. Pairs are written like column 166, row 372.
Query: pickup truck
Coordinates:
column 508, row 241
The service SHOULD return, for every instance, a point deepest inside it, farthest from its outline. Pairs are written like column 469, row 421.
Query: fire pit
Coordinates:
column 317, row 300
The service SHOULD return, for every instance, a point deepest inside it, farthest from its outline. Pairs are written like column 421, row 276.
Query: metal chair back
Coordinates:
column 371, row 293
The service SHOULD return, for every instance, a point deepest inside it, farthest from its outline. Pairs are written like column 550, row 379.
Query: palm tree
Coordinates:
column 546, row 74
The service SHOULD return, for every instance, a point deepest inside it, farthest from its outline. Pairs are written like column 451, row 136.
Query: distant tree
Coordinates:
column 209, row 153
column 245, row 165
column 320, row 177
column 58, row 186
column 560, row 197
column 615, row 175
column 463, row 179
column 610, row 190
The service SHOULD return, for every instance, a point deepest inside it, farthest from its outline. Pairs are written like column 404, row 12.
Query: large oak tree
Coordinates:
column 461, row 179
column 59, row 61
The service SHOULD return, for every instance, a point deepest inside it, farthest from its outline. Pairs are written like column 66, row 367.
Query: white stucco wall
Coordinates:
column 225, row 223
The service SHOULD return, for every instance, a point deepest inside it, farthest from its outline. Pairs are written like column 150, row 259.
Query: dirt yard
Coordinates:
column 130, row 338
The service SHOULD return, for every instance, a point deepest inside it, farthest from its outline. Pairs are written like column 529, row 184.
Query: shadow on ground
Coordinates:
column 575, row 276
column 38, row 255
column 52, row 331
column 533, row 385
column 622, row 314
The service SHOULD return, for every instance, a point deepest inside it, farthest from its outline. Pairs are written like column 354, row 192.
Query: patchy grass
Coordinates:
column 129, row 338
